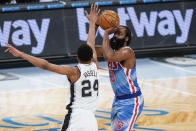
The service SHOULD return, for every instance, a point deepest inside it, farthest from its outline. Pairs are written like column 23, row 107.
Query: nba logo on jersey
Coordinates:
column 119, row 125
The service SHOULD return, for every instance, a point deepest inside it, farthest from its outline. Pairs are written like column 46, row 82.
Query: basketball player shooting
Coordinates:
column 128, row 102
column 83, row 80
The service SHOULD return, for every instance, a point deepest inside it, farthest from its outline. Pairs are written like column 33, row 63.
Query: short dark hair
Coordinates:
column 128, row 34
column 85, row 53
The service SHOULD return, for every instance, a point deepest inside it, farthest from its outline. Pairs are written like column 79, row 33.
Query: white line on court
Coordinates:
column 46, row 82
column 41, row 81
column 175, row 90
column 170, row 78
column 175, row 67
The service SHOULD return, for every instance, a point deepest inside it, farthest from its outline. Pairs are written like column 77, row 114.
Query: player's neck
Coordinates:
column 81, row 62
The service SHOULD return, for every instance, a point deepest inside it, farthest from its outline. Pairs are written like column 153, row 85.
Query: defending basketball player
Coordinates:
column 84, row 81
column 128, row 102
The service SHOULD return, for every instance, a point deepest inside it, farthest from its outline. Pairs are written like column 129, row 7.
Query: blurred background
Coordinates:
column 53, row 29
column 163, row 38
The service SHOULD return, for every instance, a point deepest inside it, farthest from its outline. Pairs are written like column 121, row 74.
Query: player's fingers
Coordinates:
column 91, row 7
column 98, row 12
column 97, row 8
column 86, row 13
column 6, row 50
column 8, row 45
column 11, row 51
column 115, row 28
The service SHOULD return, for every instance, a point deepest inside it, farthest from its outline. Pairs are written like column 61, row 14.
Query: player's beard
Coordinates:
column 116, row 43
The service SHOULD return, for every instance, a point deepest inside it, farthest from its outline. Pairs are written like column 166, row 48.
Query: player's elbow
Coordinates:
column 111, row 58
column 107, row 59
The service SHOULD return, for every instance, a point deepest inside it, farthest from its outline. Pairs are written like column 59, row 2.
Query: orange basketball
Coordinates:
column 108, row 19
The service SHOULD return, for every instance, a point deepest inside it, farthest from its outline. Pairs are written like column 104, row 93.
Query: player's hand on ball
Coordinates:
column 13, row 50
column 93, row 16
column 111, row 30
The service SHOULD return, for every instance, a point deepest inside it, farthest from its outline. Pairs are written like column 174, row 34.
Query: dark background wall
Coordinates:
column 54, row 30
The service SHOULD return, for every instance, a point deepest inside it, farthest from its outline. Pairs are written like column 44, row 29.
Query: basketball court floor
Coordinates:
column 32, row 99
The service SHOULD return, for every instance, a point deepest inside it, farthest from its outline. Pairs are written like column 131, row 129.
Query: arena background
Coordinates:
column 159, row 28
column 163, row 31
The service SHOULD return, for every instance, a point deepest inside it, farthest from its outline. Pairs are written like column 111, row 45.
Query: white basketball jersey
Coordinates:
column 84, row 92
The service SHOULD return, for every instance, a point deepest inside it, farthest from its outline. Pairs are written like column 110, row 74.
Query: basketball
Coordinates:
column 108, row 19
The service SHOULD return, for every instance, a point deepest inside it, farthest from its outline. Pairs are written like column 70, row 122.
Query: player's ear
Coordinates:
column 126, row 38
column 78, row 59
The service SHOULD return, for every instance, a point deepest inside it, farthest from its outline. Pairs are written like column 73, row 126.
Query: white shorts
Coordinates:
column 80, row 120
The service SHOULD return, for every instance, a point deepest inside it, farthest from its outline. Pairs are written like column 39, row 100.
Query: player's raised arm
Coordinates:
column 41, row 63
column 115, row 55
column 108, row 53
column 99, row 50
column 92, row 17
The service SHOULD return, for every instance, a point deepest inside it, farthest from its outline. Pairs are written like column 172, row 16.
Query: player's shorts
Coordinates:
column 80, row 120
column 125, row 113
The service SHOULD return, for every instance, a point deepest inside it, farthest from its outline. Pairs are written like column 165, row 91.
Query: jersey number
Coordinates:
column 112, row 65
column 112, row 78
column 86, row 90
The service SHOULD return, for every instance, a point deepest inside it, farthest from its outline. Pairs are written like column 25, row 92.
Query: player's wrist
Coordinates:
column 21, row 54
column 106, row 33
column 93, row 22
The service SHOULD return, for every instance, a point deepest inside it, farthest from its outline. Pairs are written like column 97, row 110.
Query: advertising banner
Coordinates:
column 39, row 33
column 152, row 25
column 59, row 32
